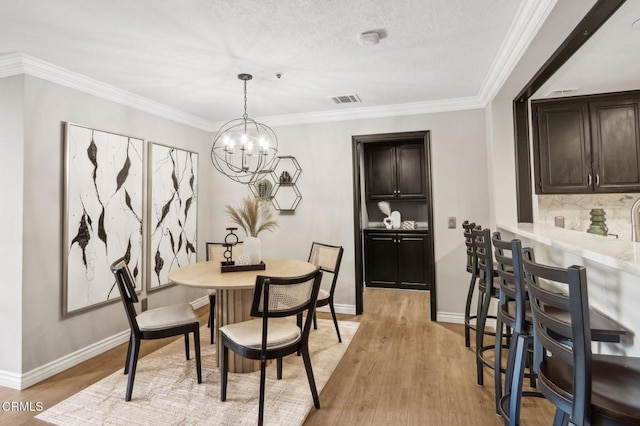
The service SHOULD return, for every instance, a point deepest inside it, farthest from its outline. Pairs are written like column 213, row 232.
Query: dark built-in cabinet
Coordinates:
column 397, row 258
column 395, row 171
column 587, row 144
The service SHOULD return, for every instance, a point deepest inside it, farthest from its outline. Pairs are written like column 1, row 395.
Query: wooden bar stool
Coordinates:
column 472, row 269
column 488, row 289
column 585, row 388
column 514, row 311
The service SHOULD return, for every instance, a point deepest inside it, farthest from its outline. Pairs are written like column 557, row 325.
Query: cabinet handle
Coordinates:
column 589, row 179
column 597, row 179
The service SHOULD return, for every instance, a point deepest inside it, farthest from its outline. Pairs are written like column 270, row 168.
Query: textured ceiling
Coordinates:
column 186, row 54
column 608, row 62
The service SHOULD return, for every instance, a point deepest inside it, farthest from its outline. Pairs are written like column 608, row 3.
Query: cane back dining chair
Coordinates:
column 158, row 323
column 271, row 335
column 586, row 388
column 328, row 258
column 215, row 253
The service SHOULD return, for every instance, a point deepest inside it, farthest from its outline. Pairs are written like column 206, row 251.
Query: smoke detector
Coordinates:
column 369, row 38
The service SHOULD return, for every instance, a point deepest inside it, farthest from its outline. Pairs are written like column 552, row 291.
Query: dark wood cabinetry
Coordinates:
column 395, row 171
column 397, row 259
column 587, row 144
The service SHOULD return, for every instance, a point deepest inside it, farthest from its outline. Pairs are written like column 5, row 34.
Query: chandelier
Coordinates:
column 243, row 149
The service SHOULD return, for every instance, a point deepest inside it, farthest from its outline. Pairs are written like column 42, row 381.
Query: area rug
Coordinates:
column 166, row 391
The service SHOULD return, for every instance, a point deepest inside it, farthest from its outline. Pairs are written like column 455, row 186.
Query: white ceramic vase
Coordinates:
column 252, row 248
column 395, row 220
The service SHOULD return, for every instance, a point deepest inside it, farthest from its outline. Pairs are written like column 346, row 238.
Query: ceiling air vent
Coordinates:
column 562, row 92
column 346, row 99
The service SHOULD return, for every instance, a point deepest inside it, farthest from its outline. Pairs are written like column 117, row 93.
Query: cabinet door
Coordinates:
column 564, row 147
column 616, row 145
column 381, row 172
column 410, row 171
column 413, row 260
column 381, row 265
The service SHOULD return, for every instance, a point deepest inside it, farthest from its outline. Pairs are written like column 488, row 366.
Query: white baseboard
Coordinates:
column 9, row 379
column 340, row 309
column 30, row 378
column 39, row 374
column 199, row 303
column 451, row 317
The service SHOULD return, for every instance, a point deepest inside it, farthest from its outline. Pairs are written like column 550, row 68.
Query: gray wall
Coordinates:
column 46, row 336
column 11, row 176
column 460, row 188
column 325, row 213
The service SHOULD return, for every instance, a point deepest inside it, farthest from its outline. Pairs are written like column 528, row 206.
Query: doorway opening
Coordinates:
column 407, row 185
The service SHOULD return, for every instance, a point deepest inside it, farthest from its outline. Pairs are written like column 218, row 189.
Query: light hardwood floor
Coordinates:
column 400, row 369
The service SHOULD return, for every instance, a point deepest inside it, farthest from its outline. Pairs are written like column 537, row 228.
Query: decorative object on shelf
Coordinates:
column 262, row 189
column 409, row 224
column 253, row 216
column 243, row 149
column 396, row 221
column 598, row 225
column 385, row 208
column 285, row 177
column 285, row 195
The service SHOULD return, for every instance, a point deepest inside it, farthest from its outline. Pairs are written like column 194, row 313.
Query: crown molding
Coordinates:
column 11, row 65
column 526, row 24
column 529, row 18
column 382, row 111
column 20, row 63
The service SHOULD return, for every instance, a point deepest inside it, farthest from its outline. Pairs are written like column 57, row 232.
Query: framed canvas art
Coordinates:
column 103, row 213
column 173, row 207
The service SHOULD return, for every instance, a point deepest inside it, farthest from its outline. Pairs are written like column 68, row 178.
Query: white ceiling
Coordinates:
column 608, row 62
column 186, row 54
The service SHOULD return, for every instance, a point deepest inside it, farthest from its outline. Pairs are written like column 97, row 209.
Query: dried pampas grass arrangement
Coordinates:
column 385, row 207
column 253, row 215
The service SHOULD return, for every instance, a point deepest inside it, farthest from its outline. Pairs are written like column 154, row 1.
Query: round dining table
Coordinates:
column 234, row 293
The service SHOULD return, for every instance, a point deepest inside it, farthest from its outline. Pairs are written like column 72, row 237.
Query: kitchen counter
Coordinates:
column 610, row 251
column 383, row 229
column 613, row 273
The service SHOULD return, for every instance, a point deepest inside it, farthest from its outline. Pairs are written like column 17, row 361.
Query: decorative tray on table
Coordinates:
column 225, row 267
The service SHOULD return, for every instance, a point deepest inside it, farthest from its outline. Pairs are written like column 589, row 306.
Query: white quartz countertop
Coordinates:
column 623, row 255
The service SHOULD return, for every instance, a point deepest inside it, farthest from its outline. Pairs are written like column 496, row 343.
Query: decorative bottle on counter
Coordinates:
column 598, row 225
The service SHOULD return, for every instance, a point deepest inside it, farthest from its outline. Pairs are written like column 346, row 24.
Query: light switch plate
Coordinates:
column 143, row 304
column 559, row 221
column 452, row 223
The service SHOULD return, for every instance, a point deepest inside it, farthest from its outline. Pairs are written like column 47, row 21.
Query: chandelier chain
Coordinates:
column 245, row 116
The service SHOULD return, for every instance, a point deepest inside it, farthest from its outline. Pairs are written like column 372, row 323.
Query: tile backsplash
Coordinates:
column 575, row 209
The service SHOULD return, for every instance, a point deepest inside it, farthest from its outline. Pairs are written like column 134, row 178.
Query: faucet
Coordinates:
column 635, row 221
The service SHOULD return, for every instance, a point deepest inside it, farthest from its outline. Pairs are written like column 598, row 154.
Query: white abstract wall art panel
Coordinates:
column 173, row 209
column 103, row 214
